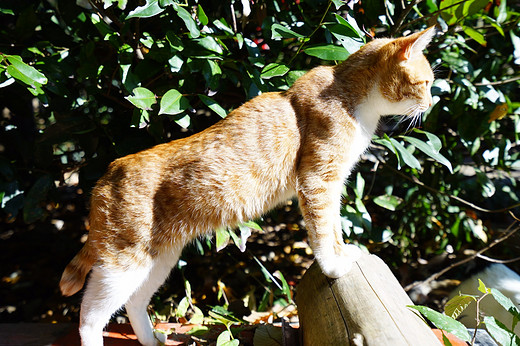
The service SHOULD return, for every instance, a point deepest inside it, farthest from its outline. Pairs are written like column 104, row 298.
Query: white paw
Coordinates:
column 336, row 265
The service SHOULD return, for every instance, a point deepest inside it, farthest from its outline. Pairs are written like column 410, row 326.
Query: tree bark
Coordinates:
column 367, row 306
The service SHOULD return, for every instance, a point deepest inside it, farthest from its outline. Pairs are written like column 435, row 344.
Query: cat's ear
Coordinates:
column 416, row 43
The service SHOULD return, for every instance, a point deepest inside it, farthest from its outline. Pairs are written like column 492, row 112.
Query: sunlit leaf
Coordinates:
column 202, row 15
column 286, row 289
column 279, row 31
column 506, row 303
column 149, row 9
column 405, row 155
column 142, row 98
column 338, row 3
column 274, row 70
column 350, row 22
column 429, row 150
column 23, row 72
column 346, row 36
column 184, row 121
column 474, row 34
column 188, row 20
column 222, row 238
column 225, row 339
column 327, row 52
column 500, row 332
column 213, row 105
column 173, row 103
column 443, row 322
column 222, row 25
column 182, row 308
column 388, row 202
column 210, row 44
column 253, row 225
column 456, row 305
column 482, row 287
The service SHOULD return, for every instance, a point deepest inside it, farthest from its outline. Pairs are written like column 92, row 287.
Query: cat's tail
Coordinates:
column 74, row 275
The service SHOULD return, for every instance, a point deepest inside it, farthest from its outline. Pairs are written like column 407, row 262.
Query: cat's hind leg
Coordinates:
column 107, row 290
column 136, row 307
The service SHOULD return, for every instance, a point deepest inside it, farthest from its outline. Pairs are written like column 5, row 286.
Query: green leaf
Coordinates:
column 445, row 339
column 385, row 141
column 197, row 317
column 210, row 44
column 240, row 242
column 188, row 21
column 7, row 11
column 175, row 63
column 506, row 303
column 213, row 105
column 346, row 36
column 443, row 322
column 25, row 73
column 222, row 238
column 453, row 11
column 142, row 98
column 474, row 34
column 486, row 185
column 482, row 287
column 182, row 308
column 429, row 150
column 352, row 24
column 338, row 3
column 202, row 15
column 183, row 121
column 279, row 31
column 388, row 202
column 173, row 103
column 286, row 289
column 500, row 332
column 274, row 70
column 174, row 41
column 456, row 305
column 225, row 339
column 121, row 4
column 327, row 52
column 405, row 155
column 149, row 9
column 253, row 225
column 222, row 25
column 359, row 188
column 293, row 76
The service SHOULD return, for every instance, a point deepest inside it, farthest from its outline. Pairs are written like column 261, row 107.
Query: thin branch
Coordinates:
column 387, row 12
column 509, row 232
column 102, row 13
column 494, row 260
column 312, row 33
column 500, row 82
column 402, row 16
column 456, row 198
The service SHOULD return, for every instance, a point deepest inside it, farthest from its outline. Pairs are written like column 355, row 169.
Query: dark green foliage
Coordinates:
column 81, row 86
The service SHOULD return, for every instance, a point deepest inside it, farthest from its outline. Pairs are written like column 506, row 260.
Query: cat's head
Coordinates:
column 405, row 75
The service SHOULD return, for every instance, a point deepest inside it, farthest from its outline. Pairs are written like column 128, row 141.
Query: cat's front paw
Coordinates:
column 336, row 265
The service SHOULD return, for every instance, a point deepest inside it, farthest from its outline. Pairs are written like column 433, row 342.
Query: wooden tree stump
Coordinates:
column 365, row 307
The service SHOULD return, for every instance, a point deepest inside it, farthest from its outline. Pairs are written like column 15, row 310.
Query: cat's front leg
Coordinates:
column 320, row 204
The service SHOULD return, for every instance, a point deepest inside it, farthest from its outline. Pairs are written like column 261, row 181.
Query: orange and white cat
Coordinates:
column 302, row 142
